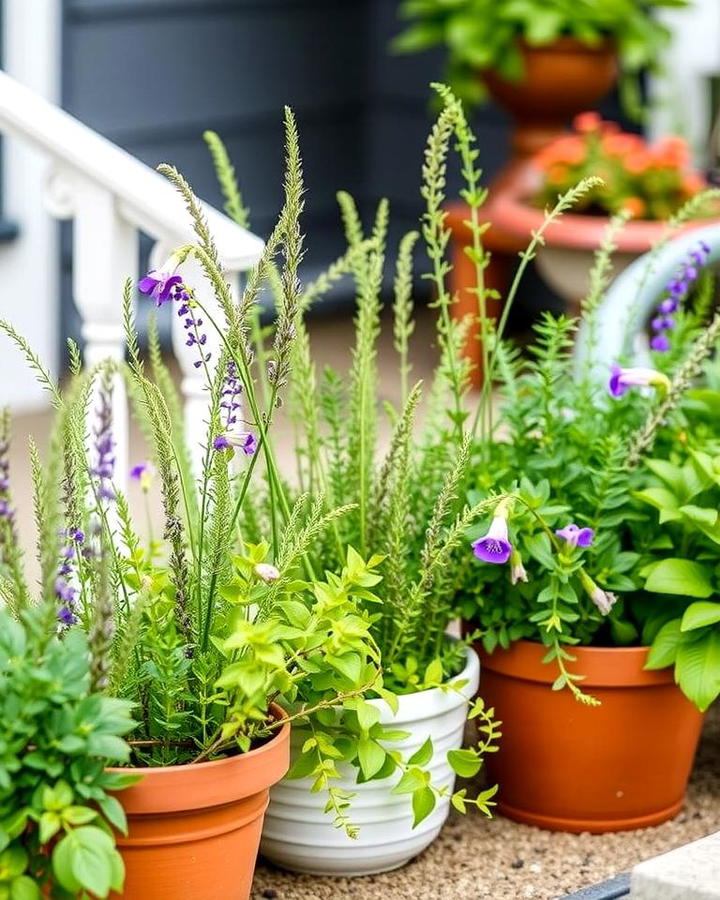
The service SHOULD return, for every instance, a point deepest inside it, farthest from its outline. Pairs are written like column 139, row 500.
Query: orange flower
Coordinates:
column 673, row 151
column 638, row 162
column 587, row 122
column 569, row 150
column 693, row 183
column 635, row 206
column 557, row 173
column 621, row 144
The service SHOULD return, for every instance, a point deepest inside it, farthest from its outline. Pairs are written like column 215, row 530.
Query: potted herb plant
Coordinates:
column 204, row 631
column 58, row 808
column 557, row 593
column 371, row 785
column 544, row 60
column 651, row 182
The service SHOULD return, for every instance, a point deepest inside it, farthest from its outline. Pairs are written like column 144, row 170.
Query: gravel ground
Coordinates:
column 474, row 859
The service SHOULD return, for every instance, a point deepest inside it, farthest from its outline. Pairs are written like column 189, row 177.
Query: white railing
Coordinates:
column 111, row 196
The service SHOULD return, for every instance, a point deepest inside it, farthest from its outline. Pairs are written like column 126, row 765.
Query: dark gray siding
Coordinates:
column 153, row 74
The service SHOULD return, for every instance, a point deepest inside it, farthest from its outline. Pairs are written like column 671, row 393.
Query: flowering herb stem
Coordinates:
column 564, row 203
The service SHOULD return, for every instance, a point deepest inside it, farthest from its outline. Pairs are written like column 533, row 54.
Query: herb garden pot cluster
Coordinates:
column 566, row 766
column 298, row 834
column 310, row 619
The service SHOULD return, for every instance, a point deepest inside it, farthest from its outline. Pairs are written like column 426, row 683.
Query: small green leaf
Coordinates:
column 423, row 755
column 665, row 646
column 466, row 763
column 371, row 757
column 423, row 803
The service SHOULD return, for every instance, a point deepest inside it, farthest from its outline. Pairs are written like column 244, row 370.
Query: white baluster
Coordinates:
column 105, row 250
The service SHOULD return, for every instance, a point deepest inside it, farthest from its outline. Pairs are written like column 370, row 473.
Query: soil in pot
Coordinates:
column 566, row 766
column 194, row 830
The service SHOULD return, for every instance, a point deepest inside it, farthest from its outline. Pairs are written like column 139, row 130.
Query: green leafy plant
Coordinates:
column 680, row 570
column 570, row 551
column 406, row 506
column 216, row 640
column 487, row 34
column 58, row 806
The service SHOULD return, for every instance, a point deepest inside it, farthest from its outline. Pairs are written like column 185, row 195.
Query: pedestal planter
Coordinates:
column 570, row 767
column 299, row 836
column 194, row 830
column 559, row 80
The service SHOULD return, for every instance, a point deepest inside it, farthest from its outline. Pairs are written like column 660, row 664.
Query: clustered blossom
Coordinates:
column 574, row 536
column 230, row 407
column 65, row 591
column 621, row 379
column 164, row 285
column 676, row 292
column 649, row 181
column 104, row 468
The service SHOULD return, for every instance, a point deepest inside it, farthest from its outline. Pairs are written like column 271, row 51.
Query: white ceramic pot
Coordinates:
column 299, row 836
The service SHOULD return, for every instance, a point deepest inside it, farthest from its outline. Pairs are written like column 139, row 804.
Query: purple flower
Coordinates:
column 622, row 379
column 66, row 616
column 575, row 536
column 676, row 290
column 495, row 546
column 143, row 474
column 660, row 343
column 104, row 467
column 245, row 440
column 604, row 600
column 161, row 284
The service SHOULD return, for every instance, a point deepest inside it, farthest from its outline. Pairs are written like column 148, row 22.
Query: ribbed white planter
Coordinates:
column 299, row 836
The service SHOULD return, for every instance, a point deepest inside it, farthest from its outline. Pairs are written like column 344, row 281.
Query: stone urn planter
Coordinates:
column 565, row 766
column 298, row 835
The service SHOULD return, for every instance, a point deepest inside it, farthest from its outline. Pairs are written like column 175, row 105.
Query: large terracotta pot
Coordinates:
column 559, row 80
column 194, row 831
column 570, row 767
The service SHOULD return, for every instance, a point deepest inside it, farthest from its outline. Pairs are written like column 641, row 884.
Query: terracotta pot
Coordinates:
column 194, row 831
column 565, row 766
column 560, row 80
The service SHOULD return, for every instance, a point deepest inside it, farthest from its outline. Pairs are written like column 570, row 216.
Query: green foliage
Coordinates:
column 567, row 452
column 57, row 801
column 684, row 491
column 487, row 34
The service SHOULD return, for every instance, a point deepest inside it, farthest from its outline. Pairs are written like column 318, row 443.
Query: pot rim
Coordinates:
column 609, row 667
column 431, row 702
column 566, row 43
column 278, row 713
column 510, row 211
